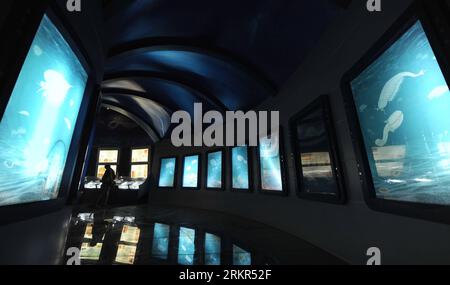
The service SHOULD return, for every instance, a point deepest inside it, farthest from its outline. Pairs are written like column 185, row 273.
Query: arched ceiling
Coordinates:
column 226, row 54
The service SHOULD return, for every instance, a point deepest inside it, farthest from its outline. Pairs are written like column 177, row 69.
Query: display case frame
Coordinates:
column 428, row 14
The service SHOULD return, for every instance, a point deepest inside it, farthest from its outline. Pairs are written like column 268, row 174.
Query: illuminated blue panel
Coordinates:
column 190, row 171
column 270, row 161
column 186, row 246
column 160, row 248
column 212, row 249
column 38, row 124
column 239, row 168
column 214, row 179
column 403, row 104
column 241, row 257
column 167, row 172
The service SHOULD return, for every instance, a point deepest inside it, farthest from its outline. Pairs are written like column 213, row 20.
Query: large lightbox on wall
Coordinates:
column 240, row 169
column 167, row 172
column 271, row 165
column 319, row 174
column 215, row 163
column 39, row 120
column 191, row 172
column 398, row 103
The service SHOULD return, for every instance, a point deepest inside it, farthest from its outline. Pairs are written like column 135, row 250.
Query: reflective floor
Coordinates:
column 178, row 236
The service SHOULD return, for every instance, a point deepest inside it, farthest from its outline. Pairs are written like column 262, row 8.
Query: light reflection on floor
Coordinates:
column 177, row 236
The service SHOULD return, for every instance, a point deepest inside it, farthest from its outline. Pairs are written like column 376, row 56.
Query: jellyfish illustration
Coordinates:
column 55, row 87
column 392, row 124
column 37, row 50
column 438, row 92
column 392, row 87
column 24, row 113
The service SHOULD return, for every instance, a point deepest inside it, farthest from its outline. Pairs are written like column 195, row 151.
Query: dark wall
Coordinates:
column 39, row 241
column 6, row 6
column 345, row 231
column 87, row 27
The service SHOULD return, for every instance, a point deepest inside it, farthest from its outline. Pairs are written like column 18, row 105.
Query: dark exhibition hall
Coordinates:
column 226, row 133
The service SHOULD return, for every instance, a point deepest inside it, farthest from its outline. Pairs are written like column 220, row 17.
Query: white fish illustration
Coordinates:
column 24, row 113
column 438, row 92
column 392, row 124
column 392, row 87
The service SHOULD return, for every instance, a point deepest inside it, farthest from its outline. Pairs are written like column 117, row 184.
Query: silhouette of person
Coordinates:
column 99, row 229
column 107, row 185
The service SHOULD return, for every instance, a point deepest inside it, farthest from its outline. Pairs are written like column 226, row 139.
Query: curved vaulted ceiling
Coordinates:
column 227, row 54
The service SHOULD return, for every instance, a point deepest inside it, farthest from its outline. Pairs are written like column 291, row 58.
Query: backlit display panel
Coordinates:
column 402, row 102
column 39, row 120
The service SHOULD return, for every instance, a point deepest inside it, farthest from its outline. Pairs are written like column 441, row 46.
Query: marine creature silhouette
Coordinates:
column 55, row 87
column 438, row 92
column 392, row 124
column 392, row 87
column 37, row 50
column 24, row 113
